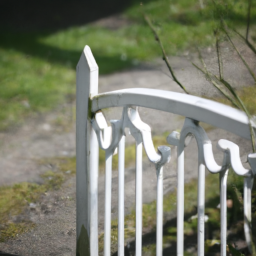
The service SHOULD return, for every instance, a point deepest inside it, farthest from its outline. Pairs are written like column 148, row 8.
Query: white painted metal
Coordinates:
column 110, row 137
column 108, row 187
column 165, row 153
column 248, row 183
column 252, row 161
column 223, row 209
column 87, row 85
column 180, row 200
column 138, row 198
column 174, row 139
column 234, row 155
column 214, row 113
column 159, row 213
column 200, row 209
column 94, row 165
column 121, row 164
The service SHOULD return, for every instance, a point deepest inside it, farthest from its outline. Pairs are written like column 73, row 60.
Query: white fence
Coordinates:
column 93, row 131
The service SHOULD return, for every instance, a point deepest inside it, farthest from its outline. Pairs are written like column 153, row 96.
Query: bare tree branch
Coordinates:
column 165, row 58
column 248, row 18
column 239, row 54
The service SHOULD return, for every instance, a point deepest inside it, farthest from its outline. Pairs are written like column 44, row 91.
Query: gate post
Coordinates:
column 87, row 151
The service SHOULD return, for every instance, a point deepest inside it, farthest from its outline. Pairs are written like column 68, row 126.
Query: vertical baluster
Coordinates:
column 200, row 209
column 108, row 187
column 94, row 166
column 180, row 200
column 248, row 183
column 223, row 210
column 159, row 232
column 138, row 198
column 121, row 163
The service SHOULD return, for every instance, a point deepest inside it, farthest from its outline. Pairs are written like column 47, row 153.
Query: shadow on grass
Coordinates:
column 31, row 47
column 22, row 23
column 54, row 15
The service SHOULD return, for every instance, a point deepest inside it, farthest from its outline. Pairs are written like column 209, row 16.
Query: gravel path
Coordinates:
column 54, row 215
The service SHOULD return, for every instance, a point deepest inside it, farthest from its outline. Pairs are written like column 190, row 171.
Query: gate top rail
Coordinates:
column 202, row 110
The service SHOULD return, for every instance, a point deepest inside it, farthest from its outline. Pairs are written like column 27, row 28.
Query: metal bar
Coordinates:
column 180, row 200
column 108, row 187
column 94, row 166
column 159, row 214
column 138, row 198
column 248, row 184
column 87, row 84
column 121, row 163
column 196, row 108
column 223, row 210
column 200, row 209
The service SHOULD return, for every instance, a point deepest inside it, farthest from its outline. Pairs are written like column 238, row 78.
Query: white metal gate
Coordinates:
column 93, row 131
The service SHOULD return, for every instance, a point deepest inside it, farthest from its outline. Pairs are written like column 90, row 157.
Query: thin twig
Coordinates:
column 248, row 18
column 243, row 108
column 165, row 58
column 217, row 86
column 246, row 41
column 241, row 57
column 209, row 77
column 220, row 64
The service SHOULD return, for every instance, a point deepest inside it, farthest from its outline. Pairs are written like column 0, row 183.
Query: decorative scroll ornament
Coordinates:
column 109, row 136
column 231, row 158
column 192, row 129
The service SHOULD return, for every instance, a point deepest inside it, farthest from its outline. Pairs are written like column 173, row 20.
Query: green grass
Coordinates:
column 30, row 85
column 37, row 70
column 14, row 200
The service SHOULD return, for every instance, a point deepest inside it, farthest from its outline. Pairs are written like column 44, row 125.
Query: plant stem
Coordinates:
column 217, row 86
column 248, row 18
column 209, row 76
column 241, row 57
column 165, row 58
column 246, row 41
column 243, row 107
column 219, row 57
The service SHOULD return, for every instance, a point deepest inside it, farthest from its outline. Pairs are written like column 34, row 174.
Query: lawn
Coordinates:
column 37, row 69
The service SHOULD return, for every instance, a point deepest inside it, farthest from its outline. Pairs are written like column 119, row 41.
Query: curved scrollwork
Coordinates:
column 142, row 133
column 192, row 129
column 231, row 158
column 109, row 136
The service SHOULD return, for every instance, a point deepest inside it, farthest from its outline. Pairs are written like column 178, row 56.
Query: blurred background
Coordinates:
column 40, row 43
